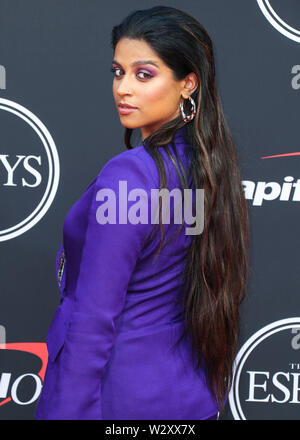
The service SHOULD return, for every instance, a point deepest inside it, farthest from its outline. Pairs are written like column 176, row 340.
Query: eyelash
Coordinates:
column 113, row 70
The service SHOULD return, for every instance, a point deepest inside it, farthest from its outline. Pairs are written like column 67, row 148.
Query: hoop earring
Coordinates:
column 188, row 118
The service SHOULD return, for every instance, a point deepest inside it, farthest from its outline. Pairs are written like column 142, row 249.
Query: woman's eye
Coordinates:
column 113, row 70
column 146, row 75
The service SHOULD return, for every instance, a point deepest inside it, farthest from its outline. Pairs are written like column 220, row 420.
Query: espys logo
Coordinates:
column 29, row 169
column 22, row 386
column 265, row 385
column 277, row 22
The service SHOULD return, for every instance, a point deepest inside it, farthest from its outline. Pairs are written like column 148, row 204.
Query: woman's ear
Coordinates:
column 190, row 84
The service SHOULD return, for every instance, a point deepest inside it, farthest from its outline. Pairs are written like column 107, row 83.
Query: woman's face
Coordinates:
column 142, row 80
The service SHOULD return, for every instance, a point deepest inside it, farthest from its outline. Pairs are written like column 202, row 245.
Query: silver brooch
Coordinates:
column 61, row 266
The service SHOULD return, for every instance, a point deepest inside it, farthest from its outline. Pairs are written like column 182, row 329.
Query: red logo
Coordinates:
column 38, row 349
column 296, row 153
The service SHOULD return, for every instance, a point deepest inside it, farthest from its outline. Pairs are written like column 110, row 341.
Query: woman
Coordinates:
column 147, row 327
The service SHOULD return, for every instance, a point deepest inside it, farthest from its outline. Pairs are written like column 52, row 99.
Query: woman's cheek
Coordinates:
column 155, row 93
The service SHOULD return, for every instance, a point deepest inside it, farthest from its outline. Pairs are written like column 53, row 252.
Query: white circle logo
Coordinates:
column 277, row 22
column 33, row 205
column 266, row 379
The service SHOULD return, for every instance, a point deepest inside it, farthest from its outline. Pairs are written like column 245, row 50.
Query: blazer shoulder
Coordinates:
column 135, row 161
column 138, row 152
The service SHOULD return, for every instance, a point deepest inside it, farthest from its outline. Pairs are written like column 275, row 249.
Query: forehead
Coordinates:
column 129, row 50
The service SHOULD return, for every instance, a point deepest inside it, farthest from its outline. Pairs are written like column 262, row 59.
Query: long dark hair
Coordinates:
column 218, row 259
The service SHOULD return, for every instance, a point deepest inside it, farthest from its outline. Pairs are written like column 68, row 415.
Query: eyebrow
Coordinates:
column 136, row 63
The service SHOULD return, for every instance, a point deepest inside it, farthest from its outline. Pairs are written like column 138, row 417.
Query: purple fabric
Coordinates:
column 214, row 417
column 111, row 341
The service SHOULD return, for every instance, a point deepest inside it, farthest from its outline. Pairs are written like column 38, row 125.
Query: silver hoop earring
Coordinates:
column 188, row 118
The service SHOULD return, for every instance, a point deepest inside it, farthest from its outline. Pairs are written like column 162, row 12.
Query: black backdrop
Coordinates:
column 59, row 126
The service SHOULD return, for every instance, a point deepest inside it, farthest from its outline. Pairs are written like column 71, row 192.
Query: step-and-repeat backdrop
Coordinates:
column 59, row 126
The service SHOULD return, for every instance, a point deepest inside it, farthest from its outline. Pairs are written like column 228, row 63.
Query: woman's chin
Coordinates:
column 127, row 124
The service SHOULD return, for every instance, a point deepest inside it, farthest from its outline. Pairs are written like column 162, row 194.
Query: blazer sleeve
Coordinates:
column 108, row 260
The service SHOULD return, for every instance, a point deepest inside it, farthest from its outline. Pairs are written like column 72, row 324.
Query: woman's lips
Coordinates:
column 123, row 110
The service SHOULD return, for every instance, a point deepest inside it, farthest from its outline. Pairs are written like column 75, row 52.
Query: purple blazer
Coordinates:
column 111, row 342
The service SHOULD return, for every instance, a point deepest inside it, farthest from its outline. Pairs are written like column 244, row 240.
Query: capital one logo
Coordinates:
column 277, row 22
column 19, row 383
column 29, row 169
column 266, row 380
column 286, row 191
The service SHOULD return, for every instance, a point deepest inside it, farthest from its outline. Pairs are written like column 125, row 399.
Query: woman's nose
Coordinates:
column 124, row 86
